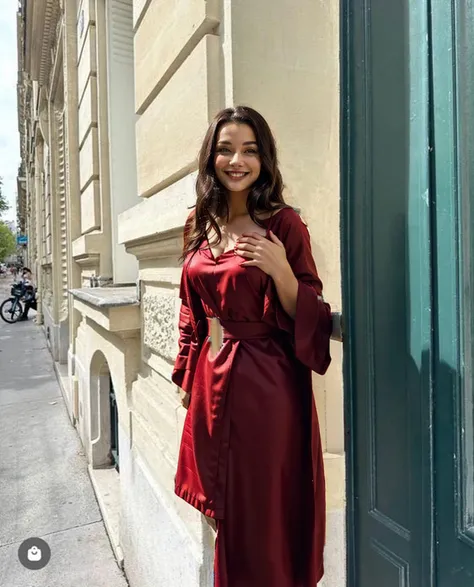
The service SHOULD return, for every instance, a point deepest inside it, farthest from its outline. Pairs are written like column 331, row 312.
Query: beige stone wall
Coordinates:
column 93, row 140
column 177, row 89
column 121, row 129
column 47, row 218
column 60, row 179
column 47, row 264
column 31, row 218
column 106, row 136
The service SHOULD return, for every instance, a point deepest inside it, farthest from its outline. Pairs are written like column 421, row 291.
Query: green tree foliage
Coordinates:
column 3, row 202
column 7, row 242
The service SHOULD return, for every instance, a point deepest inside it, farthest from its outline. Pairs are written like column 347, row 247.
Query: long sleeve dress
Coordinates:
column 250, row 453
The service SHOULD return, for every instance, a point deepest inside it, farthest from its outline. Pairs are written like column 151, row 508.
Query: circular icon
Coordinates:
column 34, row 554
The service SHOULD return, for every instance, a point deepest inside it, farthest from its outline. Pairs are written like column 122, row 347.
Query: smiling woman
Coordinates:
column 239, row 179
column 253, row 324
column 237, row 160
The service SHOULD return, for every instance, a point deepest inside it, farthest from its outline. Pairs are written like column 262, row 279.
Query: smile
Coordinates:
column 236, row 174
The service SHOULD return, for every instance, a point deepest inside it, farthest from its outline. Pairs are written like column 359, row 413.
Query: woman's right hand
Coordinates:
column 185, row 399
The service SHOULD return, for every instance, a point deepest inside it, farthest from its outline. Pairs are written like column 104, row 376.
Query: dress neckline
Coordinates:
column 268, row 219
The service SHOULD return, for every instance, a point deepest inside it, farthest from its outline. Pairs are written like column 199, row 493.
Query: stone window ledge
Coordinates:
column 117, row 309
column 107, row 297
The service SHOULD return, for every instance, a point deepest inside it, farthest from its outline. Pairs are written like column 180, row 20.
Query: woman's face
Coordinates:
column 237, row 160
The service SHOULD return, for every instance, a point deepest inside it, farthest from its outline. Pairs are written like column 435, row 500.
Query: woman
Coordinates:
column 250, row 453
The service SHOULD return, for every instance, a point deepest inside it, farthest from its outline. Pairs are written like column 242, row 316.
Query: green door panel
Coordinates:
column 387, row 292
column 453, row 255
column 408, row 256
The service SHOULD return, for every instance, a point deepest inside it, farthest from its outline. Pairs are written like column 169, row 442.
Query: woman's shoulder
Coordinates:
column 287, row 216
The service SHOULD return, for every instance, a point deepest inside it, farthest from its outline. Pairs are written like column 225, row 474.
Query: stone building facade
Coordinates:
column 114, row 99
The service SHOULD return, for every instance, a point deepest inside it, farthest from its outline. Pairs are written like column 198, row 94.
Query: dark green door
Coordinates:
column 453, row 291
column 388, row 293
column 407, row 200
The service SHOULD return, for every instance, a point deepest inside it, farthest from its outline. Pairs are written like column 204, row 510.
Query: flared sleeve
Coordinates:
column 191, row 331
column 310, row 330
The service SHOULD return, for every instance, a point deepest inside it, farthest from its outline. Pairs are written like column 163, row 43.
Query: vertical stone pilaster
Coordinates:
column 71, row 154
column 39, row 227
column 54, row 207
column 105, row 269
column 121, row 130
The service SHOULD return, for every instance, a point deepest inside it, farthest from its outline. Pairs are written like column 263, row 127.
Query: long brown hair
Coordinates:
column 266, row 194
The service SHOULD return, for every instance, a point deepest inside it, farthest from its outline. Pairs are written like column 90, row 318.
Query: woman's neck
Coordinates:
column 237, row 204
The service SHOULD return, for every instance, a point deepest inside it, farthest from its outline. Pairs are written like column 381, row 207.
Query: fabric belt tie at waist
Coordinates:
column 239, row 330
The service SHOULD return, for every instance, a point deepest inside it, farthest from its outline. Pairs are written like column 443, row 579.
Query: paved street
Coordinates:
column 45, row 489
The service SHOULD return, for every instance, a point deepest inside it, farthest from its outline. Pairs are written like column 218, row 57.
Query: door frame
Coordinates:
column 346, row 272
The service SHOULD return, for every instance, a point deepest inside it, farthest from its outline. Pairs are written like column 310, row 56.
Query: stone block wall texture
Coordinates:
column 171, row 129
column 88, row 116
column 93, row 174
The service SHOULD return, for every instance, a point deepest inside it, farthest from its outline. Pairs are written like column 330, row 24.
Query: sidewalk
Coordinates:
column 45, row 490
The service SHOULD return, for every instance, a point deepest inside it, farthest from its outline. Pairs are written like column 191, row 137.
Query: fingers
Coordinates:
column 245, row 247
column 248, row 239
column 251, row 241
column 255, row 238
column 250, row 254
column 249, row 250
column 274, row 237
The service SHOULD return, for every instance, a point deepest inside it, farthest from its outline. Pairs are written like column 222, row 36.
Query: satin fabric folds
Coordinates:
column 250, row 453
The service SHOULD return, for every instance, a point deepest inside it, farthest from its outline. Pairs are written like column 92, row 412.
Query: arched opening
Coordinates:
column 103, row 417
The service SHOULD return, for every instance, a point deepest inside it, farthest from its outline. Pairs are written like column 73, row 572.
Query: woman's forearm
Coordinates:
column 287, row 289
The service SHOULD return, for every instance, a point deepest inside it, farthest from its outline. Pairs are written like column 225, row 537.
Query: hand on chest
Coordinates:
column 230, row 233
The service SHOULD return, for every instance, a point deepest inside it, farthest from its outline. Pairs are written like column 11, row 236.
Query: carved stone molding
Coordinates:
column 43, row 122
column 154, row 227
column 88, row 260
column 159, row 324
column 56, row 73
column 41, row 29
column 158, row 246
column 87, row 246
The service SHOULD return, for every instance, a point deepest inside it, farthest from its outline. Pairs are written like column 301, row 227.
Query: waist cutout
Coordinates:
column 232, row 330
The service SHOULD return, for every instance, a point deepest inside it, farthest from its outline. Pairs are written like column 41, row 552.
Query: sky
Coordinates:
column 9, row 137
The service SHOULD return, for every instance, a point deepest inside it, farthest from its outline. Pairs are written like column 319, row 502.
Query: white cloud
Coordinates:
column 9, row 137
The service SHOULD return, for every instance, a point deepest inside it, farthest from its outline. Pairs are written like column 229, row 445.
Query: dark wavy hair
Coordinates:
column 266, row 194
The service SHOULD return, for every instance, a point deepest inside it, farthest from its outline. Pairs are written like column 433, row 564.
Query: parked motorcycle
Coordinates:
column 12, row 308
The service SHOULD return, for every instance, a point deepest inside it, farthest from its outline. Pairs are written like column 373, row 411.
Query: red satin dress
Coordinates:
column 250, row 453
